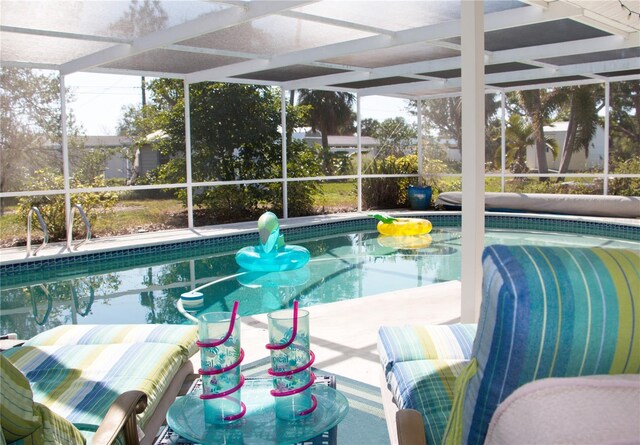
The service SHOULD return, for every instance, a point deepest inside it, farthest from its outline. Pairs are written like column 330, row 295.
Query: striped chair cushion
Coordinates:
column 55, row 430
column 547, row 312
column 80, row 382
column 430, row 342
column 17, row 413
column 426, row 386
column 184, row 336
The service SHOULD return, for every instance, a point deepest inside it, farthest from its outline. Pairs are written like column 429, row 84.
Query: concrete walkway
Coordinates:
column 343, row 334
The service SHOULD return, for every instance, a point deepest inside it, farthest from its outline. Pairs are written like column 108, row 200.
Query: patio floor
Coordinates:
column 343, row 334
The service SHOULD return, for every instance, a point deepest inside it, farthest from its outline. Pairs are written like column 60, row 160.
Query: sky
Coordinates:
column 98, row 100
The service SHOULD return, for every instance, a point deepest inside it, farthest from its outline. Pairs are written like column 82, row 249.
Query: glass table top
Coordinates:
column 259, row 425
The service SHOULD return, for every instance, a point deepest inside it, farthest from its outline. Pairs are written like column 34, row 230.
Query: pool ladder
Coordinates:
column 43, row 226
column 87, row 226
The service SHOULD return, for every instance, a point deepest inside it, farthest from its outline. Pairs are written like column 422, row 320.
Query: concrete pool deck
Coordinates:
column 344, row 333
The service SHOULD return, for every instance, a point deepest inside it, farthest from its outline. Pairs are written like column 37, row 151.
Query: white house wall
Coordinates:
column 116, row 167
column 579, row 162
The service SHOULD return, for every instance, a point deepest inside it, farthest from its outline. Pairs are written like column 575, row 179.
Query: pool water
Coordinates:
column 343, row 266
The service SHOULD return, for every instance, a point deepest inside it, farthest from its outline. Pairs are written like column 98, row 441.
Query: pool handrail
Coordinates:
column 43, row 226
column 87, row 226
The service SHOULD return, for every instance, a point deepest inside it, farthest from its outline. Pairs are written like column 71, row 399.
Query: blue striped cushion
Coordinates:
column 547, row 312
column 426, row 386
column 443, row 342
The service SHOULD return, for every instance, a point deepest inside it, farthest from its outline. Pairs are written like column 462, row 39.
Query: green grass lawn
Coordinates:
column 336, row 195
column 146, row 215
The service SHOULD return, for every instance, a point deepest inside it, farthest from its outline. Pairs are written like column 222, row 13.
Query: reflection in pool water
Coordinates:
column 343, row 266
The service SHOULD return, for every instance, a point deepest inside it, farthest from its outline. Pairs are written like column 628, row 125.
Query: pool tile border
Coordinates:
column 216, row 244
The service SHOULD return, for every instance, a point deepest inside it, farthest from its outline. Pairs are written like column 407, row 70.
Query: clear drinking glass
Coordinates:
column 288, row 360
column 220, row 364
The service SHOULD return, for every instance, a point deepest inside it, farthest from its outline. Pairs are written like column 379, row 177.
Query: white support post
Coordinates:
column 187, row 154
column 359, row 143
column 503, row 139
column 472, row 14
column 65, row 160
column 420, row 147
column 607, row 127
column 283, row 114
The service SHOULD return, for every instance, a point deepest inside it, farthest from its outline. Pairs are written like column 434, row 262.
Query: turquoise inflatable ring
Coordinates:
column 271, row 254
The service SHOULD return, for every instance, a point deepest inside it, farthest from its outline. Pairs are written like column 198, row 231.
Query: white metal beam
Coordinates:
column 335, row 22
column 582, row 69
column 525, row 55
column 202, row 25
column 63, row 35
column 494, row 21
column 472, row 158
column 562, row 49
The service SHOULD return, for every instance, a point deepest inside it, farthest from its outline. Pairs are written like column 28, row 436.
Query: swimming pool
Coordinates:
column 348, row 261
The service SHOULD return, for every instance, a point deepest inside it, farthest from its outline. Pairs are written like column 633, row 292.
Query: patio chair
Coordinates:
column 94, row 384
column 558, row 327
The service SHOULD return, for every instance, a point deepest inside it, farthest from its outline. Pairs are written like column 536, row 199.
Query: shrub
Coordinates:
column 378, row 193
column 625, row 186
column 52, row 206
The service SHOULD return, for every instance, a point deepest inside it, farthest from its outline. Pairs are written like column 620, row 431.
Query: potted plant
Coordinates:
column 420, row 195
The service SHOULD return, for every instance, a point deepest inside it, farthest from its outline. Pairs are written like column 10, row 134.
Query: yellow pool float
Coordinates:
column 388, row 225
column 405, row 242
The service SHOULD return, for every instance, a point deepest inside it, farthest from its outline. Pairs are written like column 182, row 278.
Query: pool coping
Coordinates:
column 53, row 251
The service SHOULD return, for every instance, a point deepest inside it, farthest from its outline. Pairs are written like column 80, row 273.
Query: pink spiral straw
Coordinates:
column 314, row 405
column 291, row 392
column 234, row 312
column 243, row 411
column 224, row 393
column 293, row 334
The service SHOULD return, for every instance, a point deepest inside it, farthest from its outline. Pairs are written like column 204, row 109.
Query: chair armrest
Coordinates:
column 122, row 417
column 410, row 427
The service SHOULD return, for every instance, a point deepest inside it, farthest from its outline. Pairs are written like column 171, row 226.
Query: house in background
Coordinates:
column 579, row 163
column 339, row 144
column 118, row 166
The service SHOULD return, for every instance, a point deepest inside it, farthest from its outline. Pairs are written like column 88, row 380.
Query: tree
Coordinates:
column 519, row 134
column 538, row 106
column 394, row 136
column 136, row 123
column 584, row 103
column 625, row 121
column 444, row 116
column 329, row 111
column 30, row 122
column 234, row 136
column 369, row 126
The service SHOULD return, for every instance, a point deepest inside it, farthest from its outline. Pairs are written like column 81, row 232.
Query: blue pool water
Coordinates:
column 145, row 289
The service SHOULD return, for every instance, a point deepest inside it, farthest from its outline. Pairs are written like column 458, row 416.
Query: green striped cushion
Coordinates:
column 426, row 386
column 16, row 408
column 55, row 430
column 184, row 336
column 547, row 312
column 444, row 342
column 80, row 382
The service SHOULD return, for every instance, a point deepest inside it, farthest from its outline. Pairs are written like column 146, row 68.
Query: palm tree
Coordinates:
column 330, row 110
column 518, row 136
column 584, row 103
column 539, row 105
